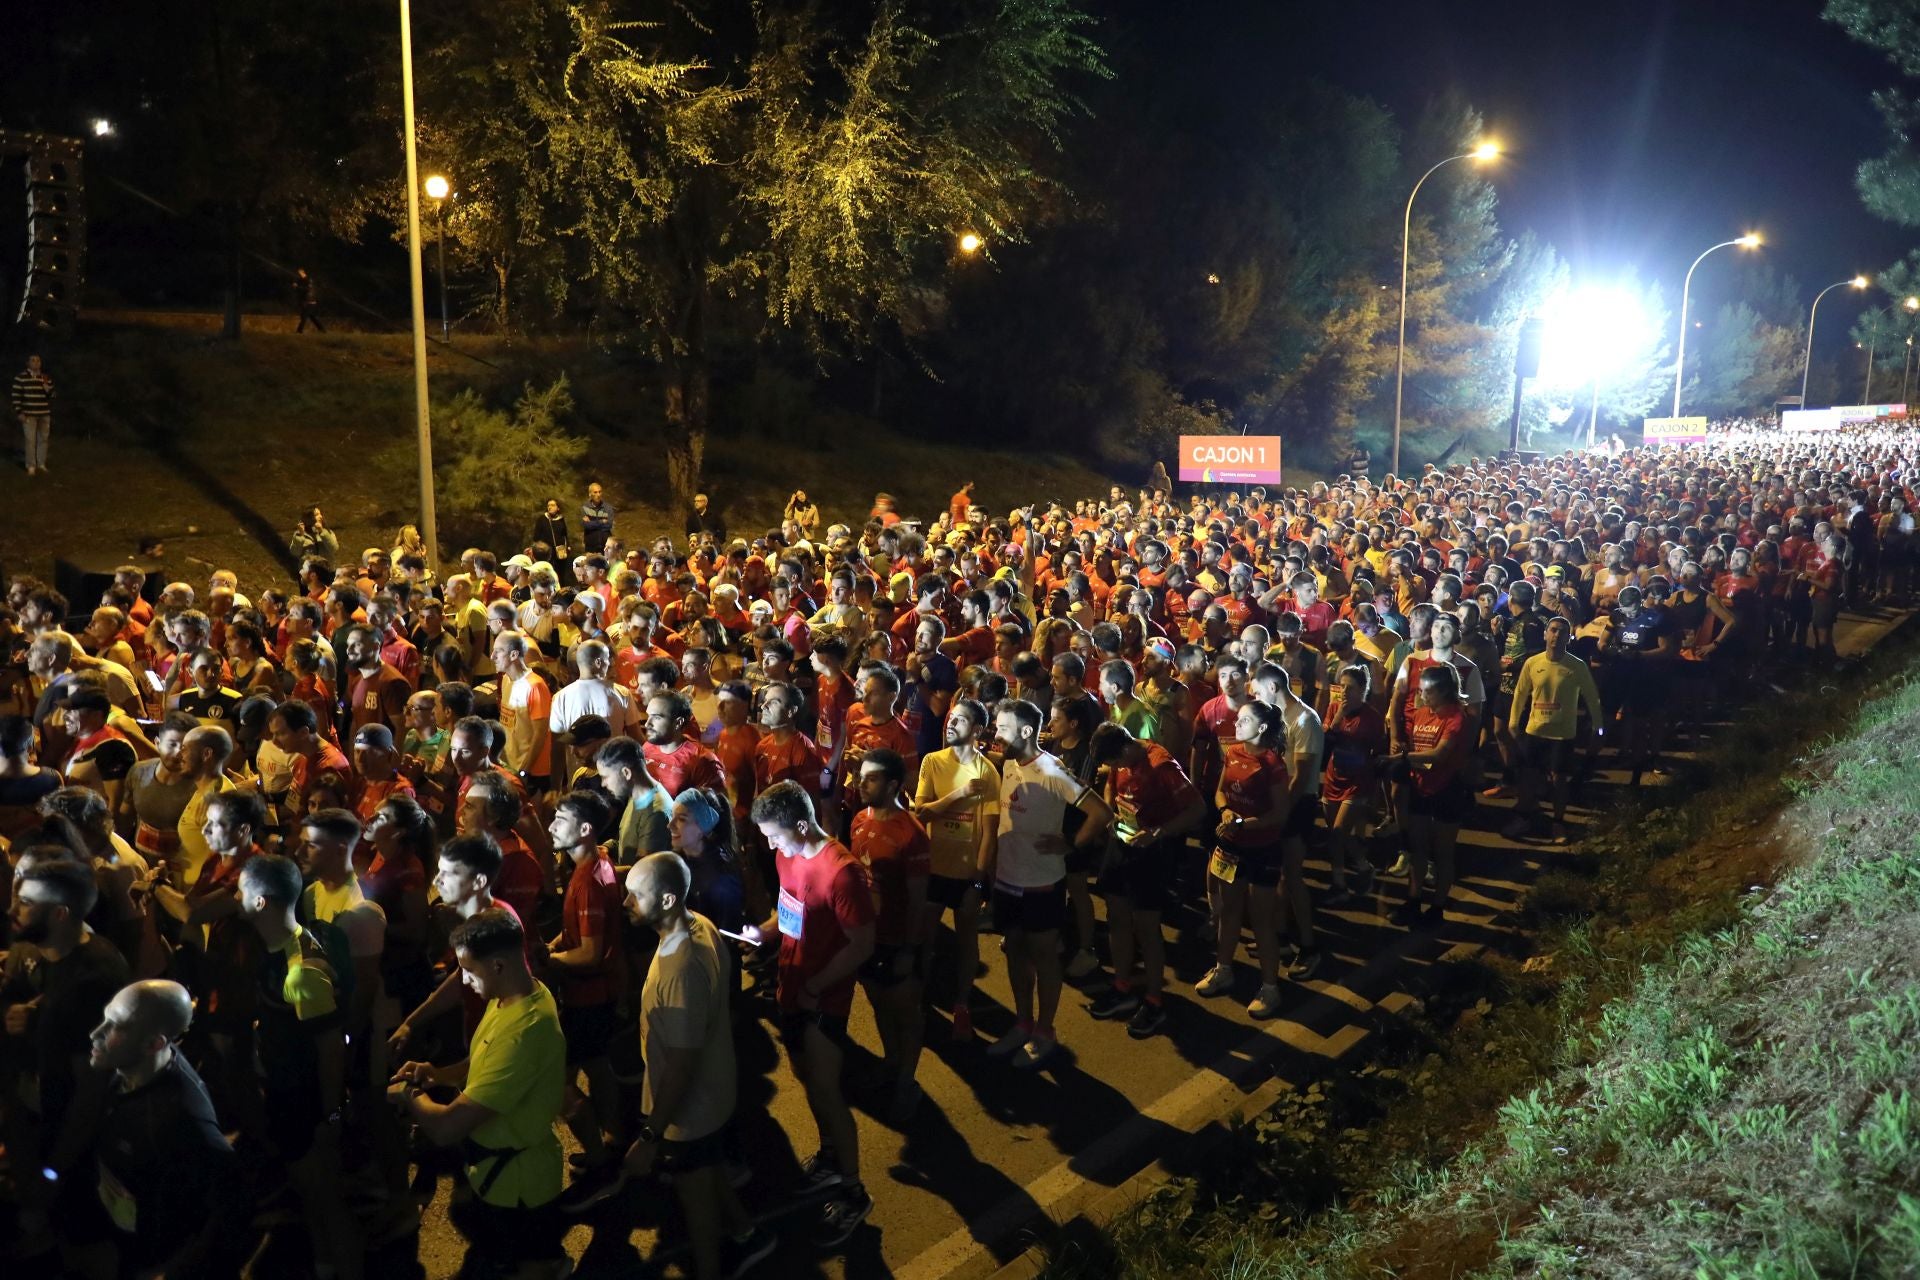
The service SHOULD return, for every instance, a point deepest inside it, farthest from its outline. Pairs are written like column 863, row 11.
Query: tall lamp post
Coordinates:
column 1485, row 151
column 429, row 524
column 1813, row 312
column 438, row 189
column 1748, row 241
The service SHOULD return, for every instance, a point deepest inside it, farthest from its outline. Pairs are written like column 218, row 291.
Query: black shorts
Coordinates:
column 1546, row 754
column 1500, row 705
column 1453, row 806
column 882, row 967
column 1642, row 685
column 794, row 1024
column 1080, row 858
column 509, row 1234
column 677, row 1159
column 1142, row 875
column 588, row 1029
column 1255, row 865
column 1041, row 909
column 947, row 892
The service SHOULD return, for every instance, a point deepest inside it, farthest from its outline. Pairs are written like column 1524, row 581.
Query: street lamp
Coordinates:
column 438, row 189
column 1806, row 365
column 970, row 243
column 429, row 524
column 1484, row 152
column 1748, row 241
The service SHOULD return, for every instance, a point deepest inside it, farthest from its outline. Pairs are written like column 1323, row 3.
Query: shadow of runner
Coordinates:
column 163, row 444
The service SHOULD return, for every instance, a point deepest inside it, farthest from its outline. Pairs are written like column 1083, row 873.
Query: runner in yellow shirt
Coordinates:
column 958, row 798
column 1546, row 701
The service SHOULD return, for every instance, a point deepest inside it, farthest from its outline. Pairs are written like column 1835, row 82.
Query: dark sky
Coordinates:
column 1641, row 131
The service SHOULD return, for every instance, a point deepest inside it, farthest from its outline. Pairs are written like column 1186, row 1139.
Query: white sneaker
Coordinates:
column 1083, row 963
column 1218, row 982
column 1015, row 1037
column 1267, row 1003
column 1399, row 867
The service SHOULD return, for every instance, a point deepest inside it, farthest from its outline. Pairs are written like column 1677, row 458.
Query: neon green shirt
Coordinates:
column 517, row 1070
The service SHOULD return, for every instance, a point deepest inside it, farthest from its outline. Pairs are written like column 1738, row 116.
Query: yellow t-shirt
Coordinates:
column 194, row 849
column 517, row 1069
column 953, row 837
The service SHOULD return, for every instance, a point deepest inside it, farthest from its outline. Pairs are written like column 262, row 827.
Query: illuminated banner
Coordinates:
column 1230, row 459
column 1838, row 416
column 1674, row 430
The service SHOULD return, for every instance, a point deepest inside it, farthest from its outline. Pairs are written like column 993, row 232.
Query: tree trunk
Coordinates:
column 500, row 293
column 687, row 407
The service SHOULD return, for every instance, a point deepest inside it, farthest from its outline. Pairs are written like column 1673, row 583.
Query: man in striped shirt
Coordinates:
column 33, row 405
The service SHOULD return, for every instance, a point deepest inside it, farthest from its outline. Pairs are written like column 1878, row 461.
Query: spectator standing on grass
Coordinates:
column 705, row 519
column 312, row 537
column 550, row 527
column 306, row 300
column 33, row 405
column 596, row 520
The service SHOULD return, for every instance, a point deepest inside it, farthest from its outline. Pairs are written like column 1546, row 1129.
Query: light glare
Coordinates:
column 1751, row 240
column 101, row 128
column 969, row 242
column 437, row 186
column 1859, row 282
column 1593, row 332
column 1486, row 151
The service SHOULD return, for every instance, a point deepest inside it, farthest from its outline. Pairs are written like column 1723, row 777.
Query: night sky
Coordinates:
column 1640, row 131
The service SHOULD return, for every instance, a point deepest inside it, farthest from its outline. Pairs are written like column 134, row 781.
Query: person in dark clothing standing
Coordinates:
column 550, row 527
column 33, row 405
column 165, row 1186
column 307, row 299
column 704, row 519
column 596, row 520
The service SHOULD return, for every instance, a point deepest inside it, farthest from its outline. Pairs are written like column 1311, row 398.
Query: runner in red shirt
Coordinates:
column 588, row 959
column 1438, row 749
column 1154, row 807
column 378, row 764
column 893, row 845
column 321, row 775
column 735, row 746
column 1349, row 785
column 833, row 693
column 676, row 762
column 1253, row 797
column 874, row 724
column 825, row 922
column 489, row 806
column 783, row 753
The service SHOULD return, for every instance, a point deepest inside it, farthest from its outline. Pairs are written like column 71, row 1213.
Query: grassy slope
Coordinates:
column 1693, row 1075
column 234, row 439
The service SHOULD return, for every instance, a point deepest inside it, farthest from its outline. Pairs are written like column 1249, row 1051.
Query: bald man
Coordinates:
column 167, row 1181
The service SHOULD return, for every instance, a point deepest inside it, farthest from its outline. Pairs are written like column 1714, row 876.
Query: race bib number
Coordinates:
column 1223, row 866
column 792, row 916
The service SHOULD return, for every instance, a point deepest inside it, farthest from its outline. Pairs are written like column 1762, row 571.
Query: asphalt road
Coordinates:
column 991, row 1149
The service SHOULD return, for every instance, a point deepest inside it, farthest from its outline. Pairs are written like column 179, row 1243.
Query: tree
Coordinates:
column 805, row 168
column 1745, row 362
column 487, row 462
column 1889, row 183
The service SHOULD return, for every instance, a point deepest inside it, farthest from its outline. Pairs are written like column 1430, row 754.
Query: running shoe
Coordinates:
column 1306, row 964
column 841, row 1215
column 596, row 1186
column 821, row 1172
column 1218, row 982
column 1012, row 1039
column 1267, row 1003
column 1083, row 963
column 1114, row 1004
column 1400, row 866
column 1035, row 1052
column 737, row 1257
column 1147, row 1019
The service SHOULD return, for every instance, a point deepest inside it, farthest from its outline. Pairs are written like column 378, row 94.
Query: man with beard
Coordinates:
column 958, row 798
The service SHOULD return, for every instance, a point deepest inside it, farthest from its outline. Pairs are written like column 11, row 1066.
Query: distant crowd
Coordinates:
column 320, row 890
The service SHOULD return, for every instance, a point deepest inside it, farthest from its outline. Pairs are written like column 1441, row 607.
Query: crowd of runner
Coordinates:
column 318, row 888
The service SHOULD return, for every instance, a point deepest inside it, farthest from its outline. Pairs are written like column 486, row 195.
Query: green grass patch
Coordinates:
column 1699, row 1070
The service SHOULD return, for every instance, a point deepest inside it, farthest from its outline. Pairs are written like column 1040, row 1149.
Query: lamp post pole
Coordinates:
column 1813, row 313
column 429, row 525
column 440, row 245
column 1486, row 151
column 1680, row 356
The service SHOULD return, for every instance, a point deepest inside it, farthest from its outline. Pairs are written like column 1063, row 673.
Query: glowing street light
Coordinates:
column 1806, row 365
column 970, row 243
column 438, row 189
column 1590, row 334
column 102, row 128
column 1747, row 241
column 1485, row 152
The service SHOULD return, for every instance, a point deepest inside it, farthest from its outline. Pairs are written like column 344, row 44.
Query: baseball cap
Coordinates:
column 520, row 561
column 374, row 735
column 86, row 698
column 1556, row 571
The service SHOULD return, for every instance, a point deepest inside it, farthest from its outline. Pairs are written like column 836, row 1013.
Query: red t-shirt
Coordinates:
column 1211, row 727
column 369, row 796
column 833, row 696
column 864, row 735
column 972, row 647
column 1247, row 779
column 472, row 1005
column 520, row 881
column 894, row 847
column 798, row 759
column 1355, row 737
column 1429, row 729
column 685, row 764
column 821, row 898
column 327, row 768
column 1154, row 793
column 380, row 698
column 735, row 748
column 592, row 910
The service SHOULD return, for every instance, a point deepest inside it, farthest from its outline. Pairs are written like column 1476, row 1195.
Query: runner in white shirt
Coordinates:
column 594, row 695
column 1029, row 874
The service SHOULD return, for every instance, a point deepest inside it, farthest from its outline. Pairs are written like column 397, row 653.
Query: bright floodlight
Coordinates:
column 437, row 186
column 1486, row 151
column 1749, row 241
column 1913, row 304
column 969, row 242
column 1593, row 332
column 1859, row 282
column 101, row 128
